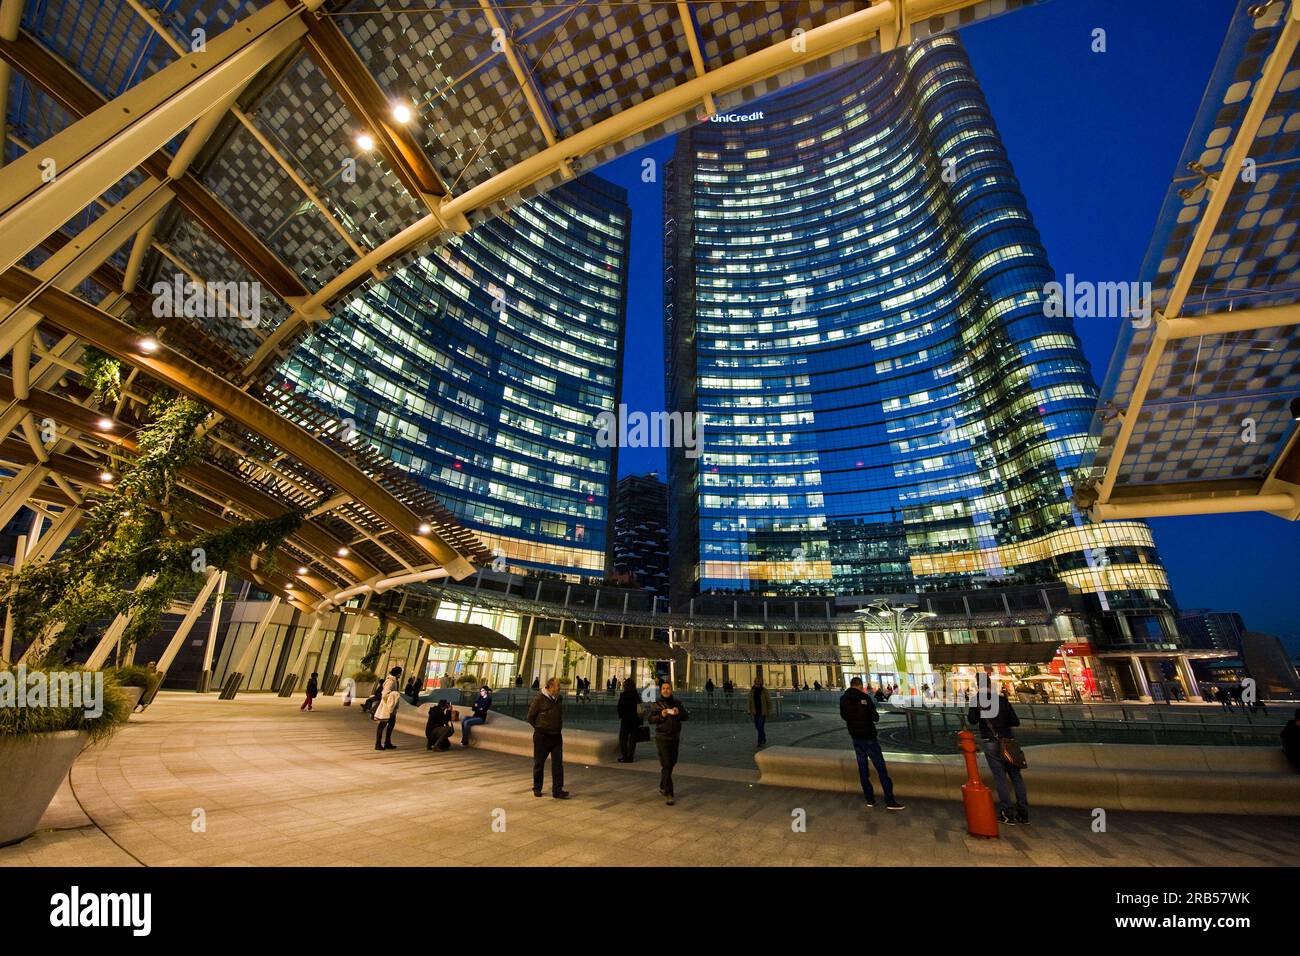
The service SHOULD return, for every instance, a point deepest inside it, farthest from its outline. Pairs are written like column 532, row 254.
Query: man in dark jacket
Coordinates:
column 629, row 721
column 438, row 729
column 996, row 721
column 547, row 718
column 667, row 714
column 860, row 716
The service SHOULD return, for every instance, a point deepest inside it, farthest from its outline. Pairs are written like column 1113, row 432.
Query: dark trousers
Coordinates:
column 760, row 724
column 383, row 739
column 1001, row 771
column 627, row 740
column 439, row 737
column 870, row 750
column 548, row 745
column 667, row 760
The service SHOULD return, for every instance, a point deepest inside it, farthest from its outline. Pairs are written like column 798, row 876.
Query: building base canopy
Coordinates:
column 455, row 633
column 1036, row 652
column 771, row 654
column 635, row 648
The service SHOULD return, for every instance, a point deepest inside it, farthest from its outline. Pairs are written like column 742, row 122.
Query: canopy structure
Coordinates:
column 772, row 654
column 635, row 648
column 454, row 633
column 1199, row 409
column 1033, row 652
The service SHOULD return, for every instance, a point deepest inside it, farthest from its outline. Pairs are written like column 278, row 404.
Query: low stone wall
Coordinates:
column 1239, row 780
column 512, row 736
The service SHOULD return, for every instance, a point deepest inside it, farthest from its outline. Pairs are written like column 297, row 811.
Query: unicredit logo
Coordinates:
column 736, row 117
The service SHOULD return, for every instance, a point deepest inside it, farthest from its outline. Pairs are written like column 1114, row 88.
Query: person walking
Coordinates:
column 759, row 706
column 708, row 688
column 438, row 728
column 536, row 684
column 546, row 715
column 386, row 715
column 482, row 704
column 858, row 711
column 629, row 721
column 313, row 689
column 519, row 680
column 995, row 725
column 667, row 714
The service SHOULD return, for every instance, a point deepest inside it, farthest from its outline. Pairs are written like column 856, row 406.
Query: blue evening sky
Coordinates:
column 1094, row 139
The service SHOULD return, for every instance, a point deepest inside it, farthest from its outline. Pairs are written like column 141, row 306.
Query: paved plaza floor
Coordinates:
column 198, row 781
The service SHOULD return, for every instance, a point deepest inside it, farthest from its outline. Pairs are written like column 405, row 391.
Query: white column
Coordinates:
column 210, row 646
column 246, row 660
column 1140, row 673
column 187, row 623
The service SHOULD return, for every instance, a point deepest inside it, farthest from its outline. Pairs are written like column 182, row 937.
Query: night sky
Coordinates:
column 1095, row 140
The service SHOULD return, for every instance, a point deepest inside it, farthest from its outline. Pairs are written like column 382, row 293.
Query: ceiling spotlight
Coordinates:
column 289, row 586
column 366, row 142
column 342, row 552
column 148, row 345
column 425, row 528
column 302, row 570
column 402, row 113
column 106, row 476
column 104, row 424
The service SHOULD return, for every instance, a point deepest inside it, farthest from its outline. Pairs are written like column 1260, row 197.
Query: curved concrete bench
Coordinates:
column 1242, row 780
column 512, row 736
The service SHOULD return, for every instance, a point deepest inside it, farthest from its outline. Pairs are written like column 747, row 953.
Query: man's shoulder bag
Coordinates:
column 1011, row 753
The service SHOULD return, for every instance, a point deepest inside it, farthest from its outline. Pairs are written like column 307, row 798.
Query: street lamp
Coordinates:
column 897, row 620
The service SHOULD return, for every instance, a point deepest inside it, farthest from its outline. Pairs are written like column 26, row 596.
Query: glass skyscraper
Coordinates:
column 481, row 369
column 855, row 305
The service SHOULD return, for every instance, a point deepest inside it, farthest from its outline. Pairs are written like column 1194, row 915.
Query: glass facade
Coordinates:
column 854, row 304
column 481, row 368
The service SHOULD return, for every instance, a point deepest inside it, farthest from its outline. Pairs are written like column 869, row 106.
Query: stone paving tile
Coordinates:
column 280, row 787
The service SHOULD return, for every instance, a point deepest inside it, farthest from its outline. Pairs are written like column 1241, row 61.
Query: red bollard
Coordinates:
column 981, row 819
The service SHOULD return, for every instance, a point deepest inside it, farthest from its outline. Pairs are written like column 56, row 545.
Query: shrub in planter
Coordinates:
column 39, row 742
column 137, row 682
column 365, row 681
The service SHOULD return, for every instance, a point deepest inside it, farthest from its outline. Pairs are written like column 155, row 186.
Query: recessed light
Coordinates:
column 105, row 424
column 425, row 528
column 366, row 142
column 343, row 552
column 148, row 345
column 402, row 113
column 302, row 570
column 105, row 476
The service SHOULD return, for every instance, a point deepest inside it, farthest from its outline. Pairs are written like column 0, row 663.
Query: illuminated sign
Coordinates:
column 736, row 117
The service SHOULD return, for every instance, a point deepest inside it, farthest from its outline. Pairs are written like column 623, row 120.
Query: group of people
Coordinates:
column 1230, row 698
column 667, row 714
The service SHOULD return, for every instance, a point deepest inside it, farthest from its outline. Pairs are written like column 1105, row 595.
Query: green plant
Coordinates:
column 137, row 676
column 102, row 374
column 365, row 675
column 18, row 721
column 134, row 553
column 468, row 680
column 379, row 644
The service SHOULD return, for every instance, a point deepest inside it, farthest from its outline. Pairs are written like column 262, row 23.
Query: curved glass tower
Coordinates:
column 855, row 305
column 481, row 368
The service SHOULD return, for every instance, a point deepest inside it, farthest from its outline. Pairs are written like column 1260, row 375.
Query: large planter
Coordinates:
column 31, row 770
column 133, row 694
column 362, row 690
